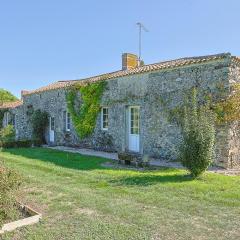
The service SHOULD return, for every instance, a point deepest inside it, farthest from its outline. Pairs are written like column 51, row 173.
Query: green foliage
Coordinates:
column 197, row 148
column 6, row 96
column 84, row 117
column 7, row 134
column 39, row 120
column 9, row 183
column 176, row 115
column 21, row 144
column 228, row 110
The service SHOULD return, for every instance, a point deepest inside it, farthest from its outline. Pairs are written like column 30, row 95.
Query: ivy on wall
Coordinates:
column 84, row 115
column 83, row 102
column 39, row 121
column 226, row 110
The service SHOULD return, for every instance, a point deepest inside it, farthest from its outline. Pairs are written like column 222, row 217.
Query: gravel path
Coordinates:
column 88, row 152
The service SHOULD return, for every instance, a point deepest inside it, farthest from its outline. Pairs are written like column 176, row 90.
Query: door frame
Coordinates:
column 52, row 130
column 137, row 136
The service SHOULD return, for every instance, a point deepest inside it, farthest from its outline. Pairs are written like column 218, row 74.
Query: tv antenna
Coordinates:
column 141, row 27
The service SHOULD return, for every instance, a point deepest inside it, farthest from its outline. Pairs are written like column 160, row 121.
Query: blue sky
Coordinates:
column 48, row 40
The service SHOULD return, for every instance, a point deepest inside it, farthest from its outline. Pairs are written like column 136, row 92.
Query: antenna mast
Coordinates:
column 141, row 26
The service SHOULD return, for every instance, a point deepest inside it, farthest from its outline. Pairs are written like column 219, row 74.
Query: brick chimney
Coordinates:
column 129, row 61
column 23, row 92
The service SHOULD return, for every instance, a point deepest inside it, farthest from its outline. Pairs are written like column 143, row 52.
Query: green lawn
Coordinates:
column 79, row 199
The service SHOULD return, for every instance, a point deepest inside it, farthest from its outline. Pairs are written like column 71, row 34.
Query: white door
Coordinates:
column 51, row 129
column 134, row 129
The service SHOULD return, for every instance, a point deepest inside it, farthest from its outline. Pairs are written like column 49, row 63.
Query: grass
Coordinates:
column 80, row 199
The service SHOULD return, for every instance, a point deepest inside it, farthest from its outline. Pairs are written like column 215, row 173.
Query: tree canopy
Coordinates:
column 6, row 96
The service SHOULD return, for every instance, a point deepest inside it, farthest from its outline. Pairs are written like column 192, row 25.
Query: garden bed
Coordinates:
column 29, row 215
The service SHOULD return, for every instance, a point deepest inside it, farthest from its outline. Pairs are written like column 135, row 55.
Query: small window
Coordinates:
column 68, row 121
column 104, row 118
column 134, row 120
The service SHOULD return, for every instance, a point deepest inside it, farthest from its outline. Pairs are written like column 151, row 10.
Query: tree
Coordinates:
column 198, row 130
column 7, row 134
column 6, row 96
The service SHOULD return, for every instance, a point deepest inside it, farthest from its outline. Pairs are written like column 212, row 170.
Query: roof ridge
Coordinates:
column 179, row 62
column 161, row 62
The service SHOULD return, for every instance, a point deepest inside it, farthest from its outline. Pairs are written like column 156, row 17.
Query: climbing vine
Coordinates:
column 228, row 110
column 83, row 102
column 84, row 115
column 225, row 110
column 39, row 121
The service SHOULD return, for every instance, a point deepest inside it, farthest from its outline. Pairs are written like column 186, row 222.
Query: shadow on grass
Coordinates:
column 81, row 162
column 59, row 158
column 148, row 179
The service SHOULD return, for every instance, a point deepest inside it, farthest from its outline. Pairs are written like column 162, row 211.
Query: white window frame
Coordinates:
column 68, row 121
column 138, row 122
column 102, row 127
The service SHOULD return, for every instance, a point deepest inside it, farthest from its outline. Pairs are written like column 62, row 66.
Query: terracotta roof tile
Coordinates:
column 8, row 105
column 144, row 69
column 52, row 86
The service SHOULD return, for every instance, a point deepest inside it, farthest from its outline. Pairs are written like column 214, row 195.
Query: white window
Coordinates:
column 104, row 118
column 134, row 120
column 68, row 121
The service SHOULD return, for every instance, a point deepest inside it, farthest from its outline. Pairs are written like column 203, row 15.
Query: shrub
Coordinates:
column 7, row 134
column 21, row 144
column 39, row 122
column 9, row 184
column 6, row 96
column 196, row 150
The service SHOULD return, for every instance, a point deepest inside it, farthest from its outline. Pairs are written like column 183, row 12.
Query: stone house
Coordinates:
column 133, row 115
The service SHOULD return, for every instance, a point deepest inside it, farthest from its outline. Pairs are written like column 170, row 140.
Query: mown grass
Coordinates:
column 80, row 199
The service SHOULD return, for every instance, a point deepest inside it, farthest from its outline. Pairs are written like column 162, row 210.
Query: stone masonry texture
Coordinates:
column 153, row 92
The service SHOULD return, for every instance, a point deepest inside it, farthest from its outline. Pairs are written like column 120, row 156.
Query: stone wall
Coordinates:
column 234, row 128
column 153, row 92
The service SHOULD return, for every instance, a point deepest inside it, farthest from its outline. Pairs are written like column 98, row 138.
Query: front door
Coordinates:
column 134, row 128
column 51, row 129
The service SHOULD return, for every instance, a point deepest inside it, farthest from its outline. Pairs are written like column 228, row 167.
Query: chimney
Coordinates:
column 23, row 92
column 129, row 61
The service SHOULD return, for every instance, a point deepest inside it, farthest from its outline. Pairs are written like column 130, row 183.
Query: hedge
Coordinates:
column 20, row 144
